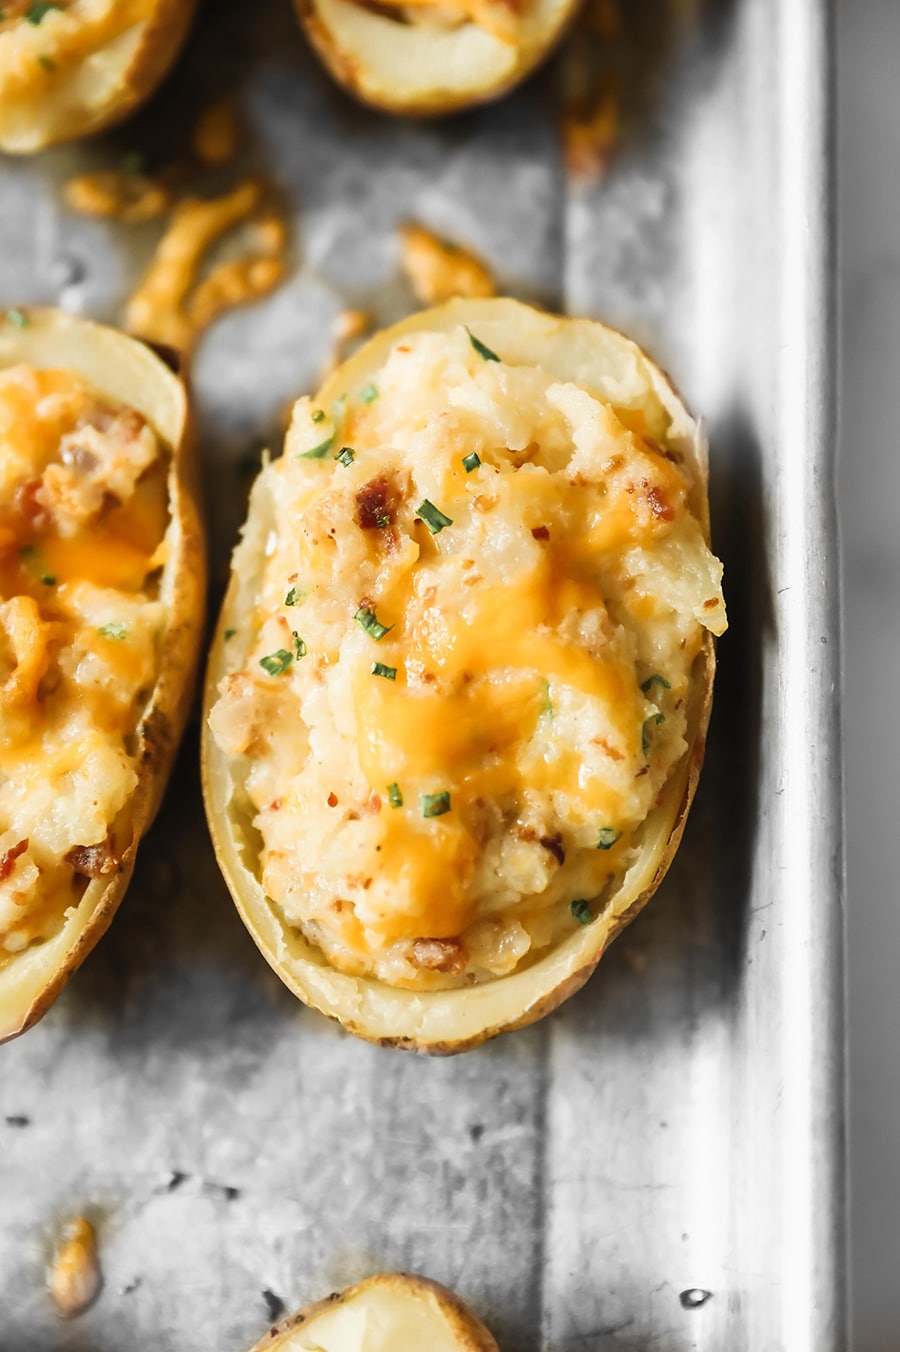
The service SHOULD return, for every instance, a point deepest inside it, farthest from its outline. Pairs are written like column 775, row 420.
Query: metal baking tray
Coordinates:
column 659, row 1165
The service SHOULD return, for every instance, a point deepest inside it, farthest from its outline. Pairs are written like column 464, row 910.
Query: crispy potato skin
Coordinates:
column 162, row 724
column 349, row 74
column 160, row 44
column 469, row 1334
column 353, row 1012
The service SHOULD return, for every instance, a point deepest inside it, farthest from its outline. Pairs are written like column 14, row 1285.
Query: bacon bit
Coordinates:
column 8, row 859
column 438, row 270
column 611, row 751
column 612, row 464
column 439, row 955
column 132, row 198
column 659, row 504
column 525, row 833
column 275, row 805
column 216, row 133
column 711, row 603
column 377, row 502
column 74, row 1278
column 92, row 861
column 555, row 846
column 541, row 532
column 332, row 800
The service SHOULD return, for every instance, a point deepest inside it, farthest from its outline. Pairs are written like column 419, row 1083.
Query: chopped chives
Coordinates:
column 346, row 455
column 276, row 663
column 608, row 837
column 37, row 9
column 379, row 669
column 294, row 597
column 229, row 633
column 299, row 645
column 434, row 518
column 471, row 461
column 582, row 912
column 369, row 621
column 656, row 718
column 114, row 629
column 318, row 452
column 435, row 804
column 655, row 679
column 481, row 348
column 48, row 580
column 318, row 415
column 395, row 797
column 17, row 319
column 369, row 393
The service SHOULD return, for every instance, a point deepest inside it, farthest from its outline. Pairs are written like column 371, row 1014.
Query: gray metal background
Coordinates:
column 679, row 1124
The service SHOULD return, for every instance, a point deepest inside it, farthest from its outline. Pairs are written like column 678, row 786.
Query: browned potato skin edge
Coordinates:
column 165, row 720
column 165, row 33
column 471, row 1334
column 344, row 70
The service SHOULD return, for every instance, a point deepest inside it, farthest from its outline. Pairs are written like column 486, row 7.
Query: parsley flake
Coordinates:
column 369, row 621
column 433, row 518
column 435, row 804
column 481, row 348
column 275, row 664
column 608, row 837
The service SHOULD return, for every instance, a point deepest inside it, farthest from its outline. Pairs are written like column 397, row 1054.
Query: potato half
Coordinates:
column 387, row 1313
column 73, row 68
column 426, row 58
column 89, row 605
column 570, row 732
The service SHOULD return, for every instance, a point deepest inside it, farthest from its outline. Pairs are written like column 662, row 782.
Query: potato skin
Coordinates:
column 87, row 348
column 364, row 1006
column 468, row 1332
column 350, row 75
column 161, row 41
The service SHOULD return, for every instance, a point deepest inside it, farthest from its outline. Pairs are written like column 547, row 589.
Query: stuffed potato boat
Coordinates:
column 458, row 694
column 428, row 57
column 101, row 608
column 76, row 66
column 394, row 1312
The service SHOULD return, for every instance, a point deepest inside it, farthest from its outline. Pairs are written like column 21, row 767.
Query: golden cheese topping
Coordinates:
column 468, row 675
column 83, row 516
column 39, row 40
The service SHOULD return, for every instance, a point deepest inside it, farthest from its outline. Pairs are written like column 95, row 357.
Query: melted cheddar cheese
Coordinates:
column 483, row 597
column 83, row 516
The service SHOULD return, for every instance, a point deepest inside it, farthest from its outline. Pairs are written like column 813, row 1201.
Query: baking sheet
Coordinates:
column 677, row 1126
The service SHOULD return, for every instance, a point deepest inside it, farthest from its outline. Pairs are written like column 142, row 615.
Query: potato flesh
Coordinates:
column 544, row 676
column 82, row 517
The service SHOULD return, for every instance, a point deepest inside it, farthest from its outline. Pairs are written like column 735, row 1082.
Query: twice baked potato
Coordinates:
column 392, row 1312
column 77, row 66
column 458, row 693
column 102, row 594
column 430, row 57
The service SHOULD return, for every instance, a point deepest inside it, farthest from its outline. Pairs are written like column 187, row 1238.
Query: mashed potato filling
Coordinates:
column 83, row 513
column 483, row 597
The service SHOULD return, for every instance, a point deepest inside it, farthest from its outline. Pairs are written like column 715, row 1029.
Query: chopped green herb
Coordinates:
column 656, row 718
column 655, row 679
column 395, row 797
column 28, row 552
column 294, row 597
column 382, row 521
column 318, row 415
column 481, row 348
column 114, row 629
column 435, row 804
column 366, row 617
column 369, row 393
column 608, row 837
column 46, row 63
column 17, row 319
column 38, row 9
column 229, row 633
column 346, row 455
column 318, row 452
column 276, row 663
column 471, row 461
column 433, row 518
column 379, row 669
column 135, row 162
column 582, row 912
column 48, row 580
column 299, row 645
